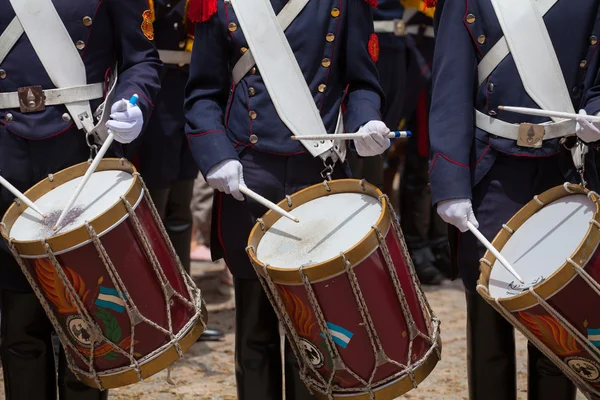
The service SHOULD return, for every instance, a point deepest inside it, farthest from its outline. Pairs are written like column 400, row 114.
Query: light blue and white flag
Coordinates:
column 340, row 336
column 594, row 336
column 109, row 298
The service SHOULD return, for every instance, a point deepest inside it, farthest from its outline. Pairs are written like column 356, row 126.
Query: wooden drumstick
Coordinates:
column 269, row 204
column 351, row 136
column 91, row 169
column 21, row 196
column 549, row 114
column 493, row 250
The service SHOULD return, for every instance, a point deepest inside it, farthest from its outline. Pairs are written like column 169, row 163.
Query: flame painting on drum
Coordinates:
column 553, row 243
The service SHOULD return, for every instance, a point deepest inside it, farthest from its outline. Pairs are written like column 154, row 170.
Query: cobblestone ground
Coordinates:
column 207, row 371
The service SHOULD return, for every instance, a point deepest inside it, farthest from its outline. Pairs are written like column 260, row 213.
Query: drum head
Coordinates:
column 102, row 191
column 328, row 225
column 542, row 244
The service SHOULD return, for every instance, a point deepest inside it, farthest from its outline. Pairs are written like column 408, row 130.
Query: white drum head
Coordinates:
column 542, row 244
column 328, row 225
column 101, row 192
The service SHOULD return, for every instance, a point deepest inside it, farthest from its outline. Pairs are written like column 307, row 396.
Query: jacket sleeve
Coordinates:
column 364, row 97
column 139, row 64
column 592, row 96
column 452, row 119
column 206, row 97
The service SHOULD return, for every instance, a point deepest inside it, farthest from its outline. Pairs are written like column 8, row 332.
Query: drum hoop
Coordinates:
column 565, row 273
column 76, row 237
column 335, row 265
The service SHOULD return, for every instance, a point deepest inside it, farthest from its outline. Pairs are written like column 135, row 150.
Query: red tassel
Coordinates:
column 430, row 3
column 202, row 10
column 372, row 3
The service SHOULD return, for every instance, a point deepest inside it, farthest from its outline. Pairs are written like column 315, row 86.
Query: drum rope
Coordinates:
column 578, row 380
column 585, row 276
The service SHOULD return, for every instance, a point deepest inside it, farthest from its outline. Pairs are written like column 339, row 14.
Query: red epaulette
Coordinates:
column 430, row 3
column 372, row 3
column 202, row 10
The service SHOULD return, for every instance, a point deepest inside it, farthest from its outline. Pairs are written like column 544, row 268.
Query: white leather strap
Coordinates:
column 9, row 37
column 495, row 126
column 395, row 26
column 58, row 96
column 56, row 50
column 175, row 57
column 281, row 73
column 500, row 50
column 286, row 16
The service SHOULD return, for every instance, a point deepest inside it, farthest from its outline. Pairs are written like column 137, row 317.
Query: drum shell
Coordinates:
column 85, row 267
column 331, row 290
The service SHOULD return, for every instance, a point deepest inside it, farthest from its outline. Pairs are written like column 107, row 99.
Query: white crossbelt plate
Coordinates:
column 542, row 244
column 102, row 191
column 328, row 226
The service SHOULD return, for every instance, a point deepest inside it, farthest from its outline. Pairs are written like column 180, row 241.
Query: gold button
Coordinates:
column 593, row 40
column 322, row 87
column 252, row 114
column 253, row 70
column 251, row 91
column 9, row 117
column 80, row 44
column 481, row 39
column 243, row 50
column 182, row 44
column 253, row 139
column 2, row 74
column 470, row 18
column 330, row 37
column 583, row 64
column 326, row 62
column 66, row 117
column 232, row 27
column 87, row 21
column 335, row 12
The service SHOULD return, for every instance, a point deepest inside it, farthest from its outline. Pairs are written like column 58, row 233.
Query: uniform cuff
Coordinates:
column 449, row 180
column 593, row 108
column 210, row 148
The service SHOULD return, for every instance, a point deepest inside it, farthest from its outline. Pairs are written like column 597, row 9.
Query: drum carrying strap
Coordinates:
column 55, row 49
column 281, row 73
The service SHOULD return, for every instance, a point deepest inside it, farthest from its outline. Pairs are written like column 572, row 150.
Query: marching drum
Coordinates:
column 109, row 280
column 552, row 243
column 343, row 285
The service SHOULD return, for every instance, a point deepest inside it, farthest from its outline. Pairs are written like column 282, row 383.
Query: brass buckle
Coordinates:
column 31, row 99
column 531, row 135
column 399, row 28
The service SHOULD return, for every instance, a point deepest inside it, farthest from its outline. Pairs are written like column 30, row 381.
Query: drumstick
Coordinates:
column 21, row 196
column 546, row 113
column 270, row 205
column 91, row 169
column 351, row 136
column 493, row 250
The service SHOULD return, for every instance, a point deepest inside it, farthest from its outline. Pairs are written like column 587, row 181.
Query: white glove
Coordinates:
column 126, row 121
column 587, row 131
column 457, row 212
column 227, row 176
column 376, row 143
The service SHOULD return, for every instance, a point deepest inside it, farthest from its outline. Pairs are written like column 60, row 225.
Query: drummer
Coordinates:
column 38, row 139
column 487, row 163
column 237, row 137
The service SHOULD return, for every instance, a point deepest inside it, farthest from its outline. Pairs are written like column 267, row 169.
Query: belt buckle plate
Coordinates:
column 399, row 28
column 531, row 135
column 31, row 99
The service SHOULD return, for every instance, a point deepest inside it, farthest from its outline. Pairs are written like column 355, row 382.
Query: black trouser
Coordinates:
column 28, row 358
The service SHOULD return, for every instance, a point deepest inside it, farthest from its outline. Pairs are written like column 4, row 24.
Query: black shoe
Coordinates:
column 427, row 272
column 443, row 260
column 211, row 335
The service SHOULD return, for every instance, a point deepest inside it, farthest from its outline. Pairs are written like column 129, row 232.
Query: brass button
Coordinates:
column 80, row 44
column 182, row 44
column 9, row 117
column 470, row 18
column 322, row 87
column 593, row 40
column 583, row 64
column 251, row 91
column 330, row 37
column 87, row 21
column 326, row 62
column 252, row 114
column 253, row 139
column 66, row 117
column 492, row 113
column 232, row 27
column 335, row 12
column 2, row 74
column 253, row 70
column 491, row 87
column 481, row 39
column 243, row 50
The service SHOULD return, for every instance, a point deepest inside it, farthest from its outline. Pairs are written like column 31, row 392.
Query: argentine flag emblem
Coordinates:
column 341, row 336
column 109, row 298
column 594, row 336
